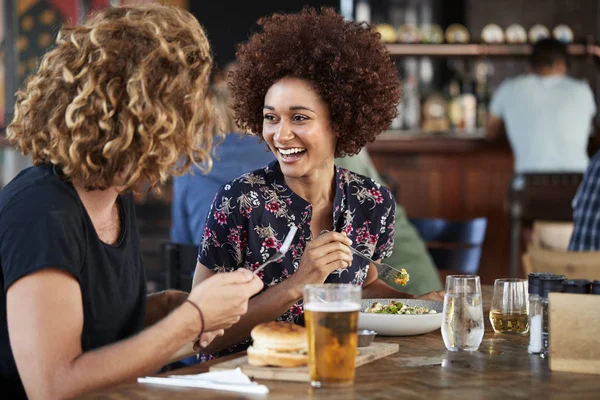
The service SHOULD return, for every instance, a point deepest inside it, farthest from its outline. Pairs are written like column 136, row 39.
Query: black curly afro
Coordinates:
column 345, row 61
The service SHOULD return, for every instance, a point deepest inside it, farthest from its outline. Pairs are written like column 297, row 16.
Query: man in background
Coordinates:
column 586, row 210
column 546, row 114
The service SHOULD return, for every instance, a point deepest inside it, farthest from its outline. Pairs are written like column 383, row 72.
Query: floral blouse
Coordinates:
column 251, row 216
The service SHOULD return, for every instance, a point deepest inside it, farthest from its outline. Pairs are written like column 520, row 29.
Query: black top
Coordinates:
column 43, row 224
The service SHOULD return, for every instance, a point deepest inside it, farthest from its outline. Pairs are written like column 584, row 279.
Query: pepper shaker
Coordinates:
column 550, row 283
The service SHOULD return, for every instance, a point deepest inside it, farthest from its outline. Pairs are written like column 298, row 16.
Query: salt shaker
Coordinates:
column 535, row 312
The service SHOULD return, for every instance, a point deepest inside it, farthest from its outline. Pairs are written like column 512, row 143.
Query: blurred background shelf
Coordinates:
column 458, row 50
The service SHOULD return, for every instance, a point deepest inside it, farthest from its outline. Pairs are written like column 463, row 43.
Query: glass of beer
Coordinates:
column 331, row 317
column 510, row 306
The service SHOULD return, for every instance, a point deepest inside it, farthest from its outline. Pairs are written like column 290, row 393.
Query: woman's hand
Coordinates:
column 322, row 256
column 206, row 338
column 435, row 296
column 223, row 299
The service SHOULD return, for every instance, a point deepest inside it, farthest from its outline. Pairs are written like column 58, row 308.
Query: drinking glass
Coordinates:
column 510, row 306
column 462, row 324
column 331, row 317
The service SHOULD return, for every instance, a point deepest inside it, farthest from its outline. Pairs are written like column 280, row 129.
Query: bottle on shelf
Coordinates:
column 455, row 110
column 411, row 103
column 468, row 103
column 482, row 96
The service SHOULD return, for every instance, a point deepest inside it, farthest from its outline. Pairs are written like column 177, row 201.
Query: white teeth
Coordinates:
column 291, row 151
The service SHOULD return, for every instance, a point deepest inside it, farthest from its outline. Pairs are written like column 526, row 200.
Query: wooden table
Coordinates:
column 501, row 369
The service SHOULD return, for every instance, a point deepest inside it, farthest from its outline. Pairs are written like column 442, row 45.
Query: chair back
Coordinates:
column 551, row 235
column 572, row 264
column 453, row 245
column 178, row 262
column 547, row 196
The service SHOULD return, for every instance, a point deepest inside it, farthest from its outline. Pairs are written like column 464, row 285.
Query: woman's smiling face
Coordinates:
column 297, row 128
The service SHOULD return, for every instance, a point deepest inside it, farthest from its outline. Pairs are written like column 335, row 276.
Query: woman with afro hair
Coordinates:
column 315, row 87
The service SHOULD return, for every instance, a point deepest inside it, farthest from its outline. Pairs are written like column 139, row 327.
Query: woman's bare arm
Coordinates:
column 45, row 323
column 323, row 255
column 266, row 306
column 159, row 305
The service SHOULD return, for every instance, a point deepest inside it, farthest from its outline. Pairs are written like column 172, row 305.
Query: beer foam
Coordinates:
column 332, row 307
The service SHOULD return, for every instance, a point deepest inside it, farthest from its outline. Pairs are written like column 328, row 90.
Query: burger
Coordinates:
column 278, row 344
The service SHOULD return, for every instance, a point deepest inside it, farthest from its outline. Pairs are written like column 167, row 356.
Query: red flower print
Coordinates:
column 234, row 236
column 254, row 267
column 288, row 201
column 272, row 206
column 296, row 310
column 270, row 243
column 348, row 229
column 207, row 234
column 376, row 195
column 220, row 217
column 373, row 239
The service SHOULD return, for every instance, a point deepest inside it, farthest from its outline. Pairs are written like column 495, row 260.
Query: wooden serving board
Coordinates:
column 574, row 331
column 300, row 374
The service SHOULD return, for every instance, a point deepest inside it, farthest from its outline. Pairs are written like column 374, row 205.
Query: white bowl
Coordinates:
column 401, row 325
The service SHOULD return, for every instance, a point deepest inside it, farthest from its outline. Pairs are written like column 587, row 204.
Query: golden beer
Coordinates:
column 332, row 342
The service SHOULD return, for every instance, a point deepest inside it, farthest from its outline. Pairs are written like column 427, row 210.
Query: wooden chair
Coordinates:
column 574, row 265
column 546, row 196
column 454, row 245
column 178, row 262
column 551, row 235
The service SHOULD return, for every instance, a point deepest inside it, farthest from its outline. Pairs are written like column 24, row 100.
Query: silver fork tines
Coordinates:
column 282, row 250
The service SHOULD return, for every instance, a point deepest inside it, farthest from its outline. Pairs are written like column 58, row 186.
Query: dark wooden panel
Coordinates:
column 466, row 181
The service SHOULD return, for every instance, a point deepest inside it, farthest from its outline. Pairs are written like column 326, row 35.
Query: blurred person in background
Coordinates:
column 239, row 153
column 546, row 114
column 115, row 103
column 586, row 210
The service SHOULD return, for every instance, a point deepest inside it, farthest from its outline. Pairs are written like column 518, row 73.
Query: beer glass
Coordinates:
column 331, row 318
column 462, row 323
column 510, row 306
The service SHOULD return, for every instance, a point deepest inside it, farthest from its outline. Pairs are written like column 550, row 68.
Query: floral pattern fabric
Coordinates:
column 251, row 216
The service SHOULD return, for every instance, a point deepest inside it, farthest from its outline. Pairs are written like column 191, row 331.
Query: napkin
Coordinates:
column 233, row 380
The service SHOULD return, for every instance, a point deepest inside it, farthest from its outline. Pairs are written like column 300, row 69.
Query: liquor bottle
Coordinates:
column 412, row 103
column 481, row 93
column 454, row 108
column 468, row 103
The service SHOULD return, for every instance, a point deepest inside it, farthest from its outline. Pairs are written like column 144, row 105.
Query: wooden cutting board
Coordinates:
column 300, row 374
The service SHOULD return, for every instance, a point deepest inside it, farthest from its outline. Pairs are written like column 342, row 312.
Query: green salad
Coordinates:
column 398, row 308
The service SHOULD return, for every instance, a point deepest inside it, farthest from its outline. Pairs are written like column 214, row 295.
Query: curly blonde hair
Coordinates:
column 120, row 99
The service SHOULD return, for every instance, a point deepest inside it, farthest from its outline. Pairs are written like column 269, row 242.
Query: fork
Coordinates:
column 384, row 271
column 282, row 250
